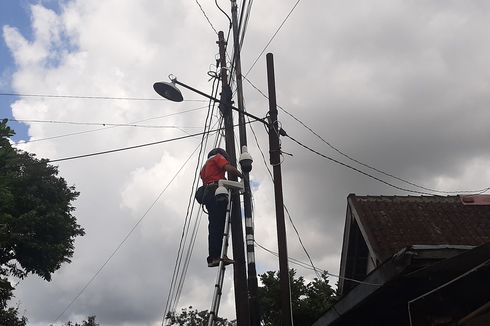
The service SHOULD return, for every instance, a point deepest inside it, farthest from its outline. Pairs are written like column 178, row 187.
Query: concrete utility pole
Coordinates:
column 247, row 196
column 239, row 272
column 275, row 159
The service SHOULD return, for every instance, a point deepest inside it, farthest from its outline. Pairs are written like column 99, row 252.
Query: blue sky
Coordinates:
column 16, row 14
column 13, row 13
column 401, row 86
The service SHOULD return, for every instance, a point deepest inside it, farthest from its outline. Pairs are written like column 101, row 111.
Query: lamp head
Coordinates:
column 168, row 91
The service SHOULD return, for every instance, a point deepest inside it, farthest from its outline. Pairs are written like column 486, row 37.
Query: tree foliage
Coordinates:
column 9, row 315
column 309, row 300
column 37, row 228
column 193, row 317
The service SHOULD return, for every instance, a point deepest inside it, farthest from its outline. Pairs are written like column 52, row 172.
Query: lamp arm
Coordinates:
column 174, row 80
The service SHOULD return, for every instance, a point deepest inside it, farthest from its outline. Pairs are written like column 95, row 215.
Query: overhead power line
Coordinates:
column 307, row 266
column 127, row 148
column 358, row 170
column 272, row 38
column 124, row 239
column 207, row 18
column 244, row 17
column 181, row 262
column 108, row 124
column 105, row 124
column 91, row 97
column 104, row 128
column 132, row 147
column 336, row 149
column 224, row 12
column 285, row 208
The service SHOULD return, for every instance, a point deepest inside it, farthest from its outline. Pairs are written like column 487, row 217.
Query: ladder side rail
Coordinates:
column 221, row 268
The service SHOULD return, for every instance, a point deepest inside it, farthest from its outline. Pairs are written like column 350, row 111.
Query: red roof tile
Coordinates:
column 392, row 223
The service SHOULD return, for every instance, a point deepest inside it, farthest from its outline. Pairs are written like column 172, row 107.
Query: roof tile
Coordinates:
column 395, row 222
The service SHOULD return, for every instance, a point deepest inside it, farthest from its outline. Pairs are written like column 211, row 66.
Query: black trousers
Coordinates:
column 216, row 226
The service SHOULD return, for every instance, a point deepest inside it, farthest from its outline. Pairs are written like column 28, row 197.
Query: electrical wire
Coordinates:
column 272, row 38
column 241, row 30
column 336, row 149
column 180, row 269
column 244, row 22
column 206, row 16
column 132, row 147
column 285, row 208
column 224, row 13
column 125, row 238
column 190, row 248
column 124, row 148
column 104, row 128
column 91, row 97
column 108, row 124
column 301, row 241
column 457, row 278
column 358, row 170
column 307, row 266
column 177, row 272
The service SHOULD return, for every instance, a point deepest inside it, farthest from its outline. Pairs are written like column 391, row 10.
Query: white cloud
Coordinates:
column 402, row 86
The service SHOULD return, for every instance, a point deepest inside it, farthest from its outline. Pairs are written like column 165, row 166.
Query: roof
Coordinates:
column 391, row 223
column 412, row 280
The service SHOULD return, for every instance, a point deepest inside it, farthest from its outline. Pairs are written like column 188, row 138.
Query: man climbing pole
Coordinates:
column 214, row 170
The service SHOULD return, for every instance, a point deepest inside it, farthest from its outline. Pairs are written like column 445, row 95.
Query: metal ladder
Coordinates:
column 218, row 287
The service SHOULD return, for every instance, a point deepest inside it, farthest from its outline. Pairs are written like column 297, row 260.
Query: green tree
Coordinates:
column 193, row 317
column 9, row 315
column 309, row 301
column 37, row 228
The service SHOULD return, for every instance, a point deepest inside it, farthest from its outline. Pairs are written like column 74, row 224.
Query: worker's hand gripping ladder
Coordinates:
column 225, row 188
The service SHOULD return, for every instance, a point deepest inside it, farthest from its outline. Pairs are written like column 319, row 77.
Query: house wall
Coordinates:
column 357, row 257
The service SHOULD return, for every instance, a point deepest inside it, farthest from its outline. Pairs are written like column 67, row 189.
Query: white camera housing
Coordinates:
column 246, row 160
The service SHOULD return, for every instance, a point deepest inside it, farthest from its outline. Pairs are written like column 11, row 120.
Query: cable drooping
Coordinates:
column 91, row 97
column 358, row 170
column 108, row 124
column 180, row 268
column 99, row 129
column 124, row 239
column 286, row 209
column 124, row 148
column 207, row 18
column 224, row 12
column 132, row 147
column 479, row 191
column 180, row 128
column 307, row 266
column 272, row 38
column 190, row 248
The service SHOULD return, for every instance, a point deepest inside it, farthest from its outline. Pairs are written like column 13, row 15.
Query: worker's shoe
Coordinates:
column 228, row 261
column 213, row 262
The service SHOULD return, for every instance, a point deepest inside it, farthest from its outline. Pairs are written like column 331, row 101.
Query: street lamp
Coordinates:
column 171, row 92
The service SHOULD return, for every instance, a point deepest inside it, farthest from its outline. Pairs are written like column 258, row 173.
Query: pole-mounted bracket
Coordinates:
column 229, row 184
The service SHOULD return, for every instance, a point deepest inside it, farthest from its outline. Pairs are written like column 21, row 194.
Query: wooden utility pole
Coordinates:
column 247, row 196
column 239, row 271
column 275, row 159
